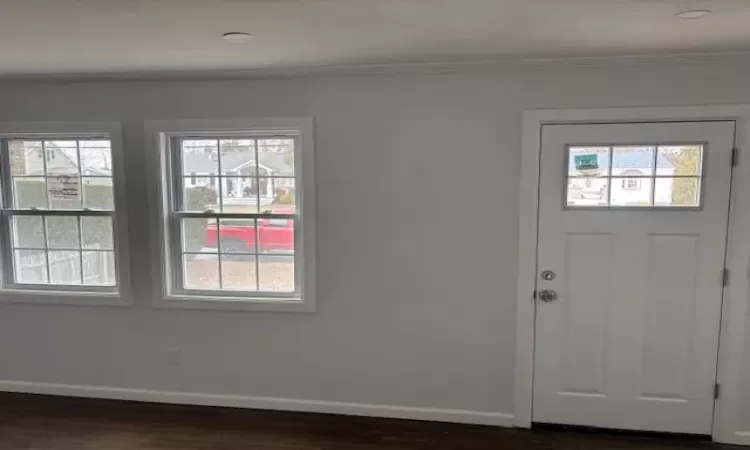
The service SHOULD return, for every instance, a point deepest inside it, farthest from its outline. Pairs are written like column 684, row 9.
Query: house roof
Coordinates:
column 630, row 160
column 93, row 163
column 200, row 162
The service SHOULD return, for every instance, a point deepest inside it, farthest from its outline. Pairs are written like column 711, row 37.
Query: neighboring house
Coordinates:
column 238, row 181
column 32, row 160
column 628, row 188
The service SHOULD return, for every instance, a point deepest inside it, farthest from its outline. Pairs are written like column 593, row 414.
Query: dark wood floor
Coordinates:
column 47, row 423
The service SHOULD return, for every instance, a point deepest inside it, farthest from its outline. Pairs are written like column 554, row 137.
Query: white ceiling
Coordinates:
column 89, row 36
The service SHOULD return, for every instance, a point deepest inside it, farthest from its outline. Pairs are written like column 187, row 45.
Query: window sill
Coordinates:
column 292, row 305
column 80, row 298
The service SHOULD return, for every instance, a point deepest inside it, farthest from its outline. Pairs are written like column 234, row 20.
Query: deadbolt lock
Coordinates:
column 548, row 275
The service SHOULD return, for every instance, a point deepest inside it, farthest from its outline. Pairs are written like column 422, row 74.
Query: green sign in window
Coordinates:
column 586, row 162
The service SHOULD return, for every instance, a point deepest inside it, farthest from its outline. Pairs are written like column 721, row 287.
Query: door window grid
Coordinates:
column 223, row 238
column 58, row 212
column 609, row 177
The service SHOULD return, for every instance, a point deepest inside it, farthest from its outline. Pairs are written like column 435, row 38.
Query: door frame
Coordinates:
column 731, row 353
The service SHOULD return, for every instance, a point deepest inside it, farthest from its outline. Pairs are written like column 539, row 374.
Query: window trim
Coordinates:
column 159, row 133
column 73, row 295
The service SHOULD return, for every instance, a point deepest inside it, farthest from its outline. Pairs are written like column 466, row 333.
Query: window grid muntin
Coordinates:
column 700, row 175
column 176, row 191
column 11, row 210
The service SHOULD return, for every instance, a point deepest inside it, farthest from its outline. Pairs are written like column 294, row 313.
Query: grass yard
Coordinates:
column 276, row 274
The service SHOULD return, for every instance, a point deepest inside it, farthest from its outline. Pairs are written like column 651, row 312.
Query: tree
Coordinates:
column 194, row 230
column 686, row 161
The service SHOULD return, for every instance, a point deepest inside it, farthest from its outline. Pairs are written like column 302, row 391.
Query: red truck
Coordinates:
column 239, row 236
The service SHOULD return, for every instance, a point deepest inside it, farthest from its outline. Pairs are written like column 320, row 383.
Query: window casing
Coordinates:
column 241, row 238
column 61, row 214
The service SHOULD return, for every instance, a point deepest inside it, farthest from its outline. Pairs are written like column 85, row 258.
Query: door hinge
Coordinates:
column 735, row 155
column 717, row 391
column 725, row 277
column 533, row 295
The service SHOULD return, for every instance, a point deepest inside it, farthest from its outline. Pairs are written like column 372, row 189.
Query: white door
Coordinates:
column 632, row 227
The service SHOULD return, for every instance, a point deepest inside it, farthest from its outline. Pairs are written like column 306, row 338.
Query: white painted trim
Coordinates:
column 528, row 198
column 732, row 334
column 59, row 297
column 741, row 438
column 271, row 403
column 157, row 134
column 403, row 68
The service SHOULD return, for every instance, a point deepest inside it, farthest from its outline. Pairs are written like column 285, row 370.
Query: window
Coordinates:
column 192, row 178
column 59, row 216
column 631, row 184
column 643, row 176
column 243, row 235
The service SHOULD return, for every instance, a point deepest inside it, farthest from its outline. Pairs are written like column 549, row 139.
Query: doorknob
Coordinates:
column 547, row 295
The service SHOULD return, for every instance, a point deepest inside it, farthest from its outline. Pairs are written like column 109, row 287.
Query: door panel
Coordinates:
column 669, row 315
column 585, row 285
column 632, row 220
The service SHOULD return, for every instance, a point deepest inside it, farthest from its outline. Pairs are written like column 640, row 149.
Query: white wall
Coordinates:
column 417, row 207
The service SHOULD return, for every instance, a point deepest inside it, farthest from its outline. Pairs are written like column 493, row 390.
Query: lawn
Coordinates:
column 276, row 274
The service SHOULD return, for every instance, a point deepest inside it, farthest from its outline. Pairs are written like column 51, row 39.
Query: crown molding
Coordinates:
column 431, row 68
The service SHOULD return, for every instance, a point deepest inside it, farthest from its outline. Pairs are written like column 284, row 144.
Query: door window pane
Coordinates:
column 632, row 192
column 634, row 176
column 587, row 191
column 678, row 192
column 633, row 161
column 680, row 160
column 588, row 161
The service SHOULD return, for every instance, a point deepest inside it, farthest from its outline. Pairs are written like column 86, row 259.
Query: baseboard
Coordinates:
column 737, row 438
column 268, row 403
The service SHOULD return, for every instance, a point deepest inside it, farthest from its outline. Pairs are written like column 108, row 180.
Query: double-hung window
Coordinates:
column 236, row 214
column 59, row 219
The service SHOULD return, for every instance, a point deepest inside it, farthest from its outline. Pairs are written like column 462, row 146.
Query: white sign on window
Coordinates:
column 64, row 187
